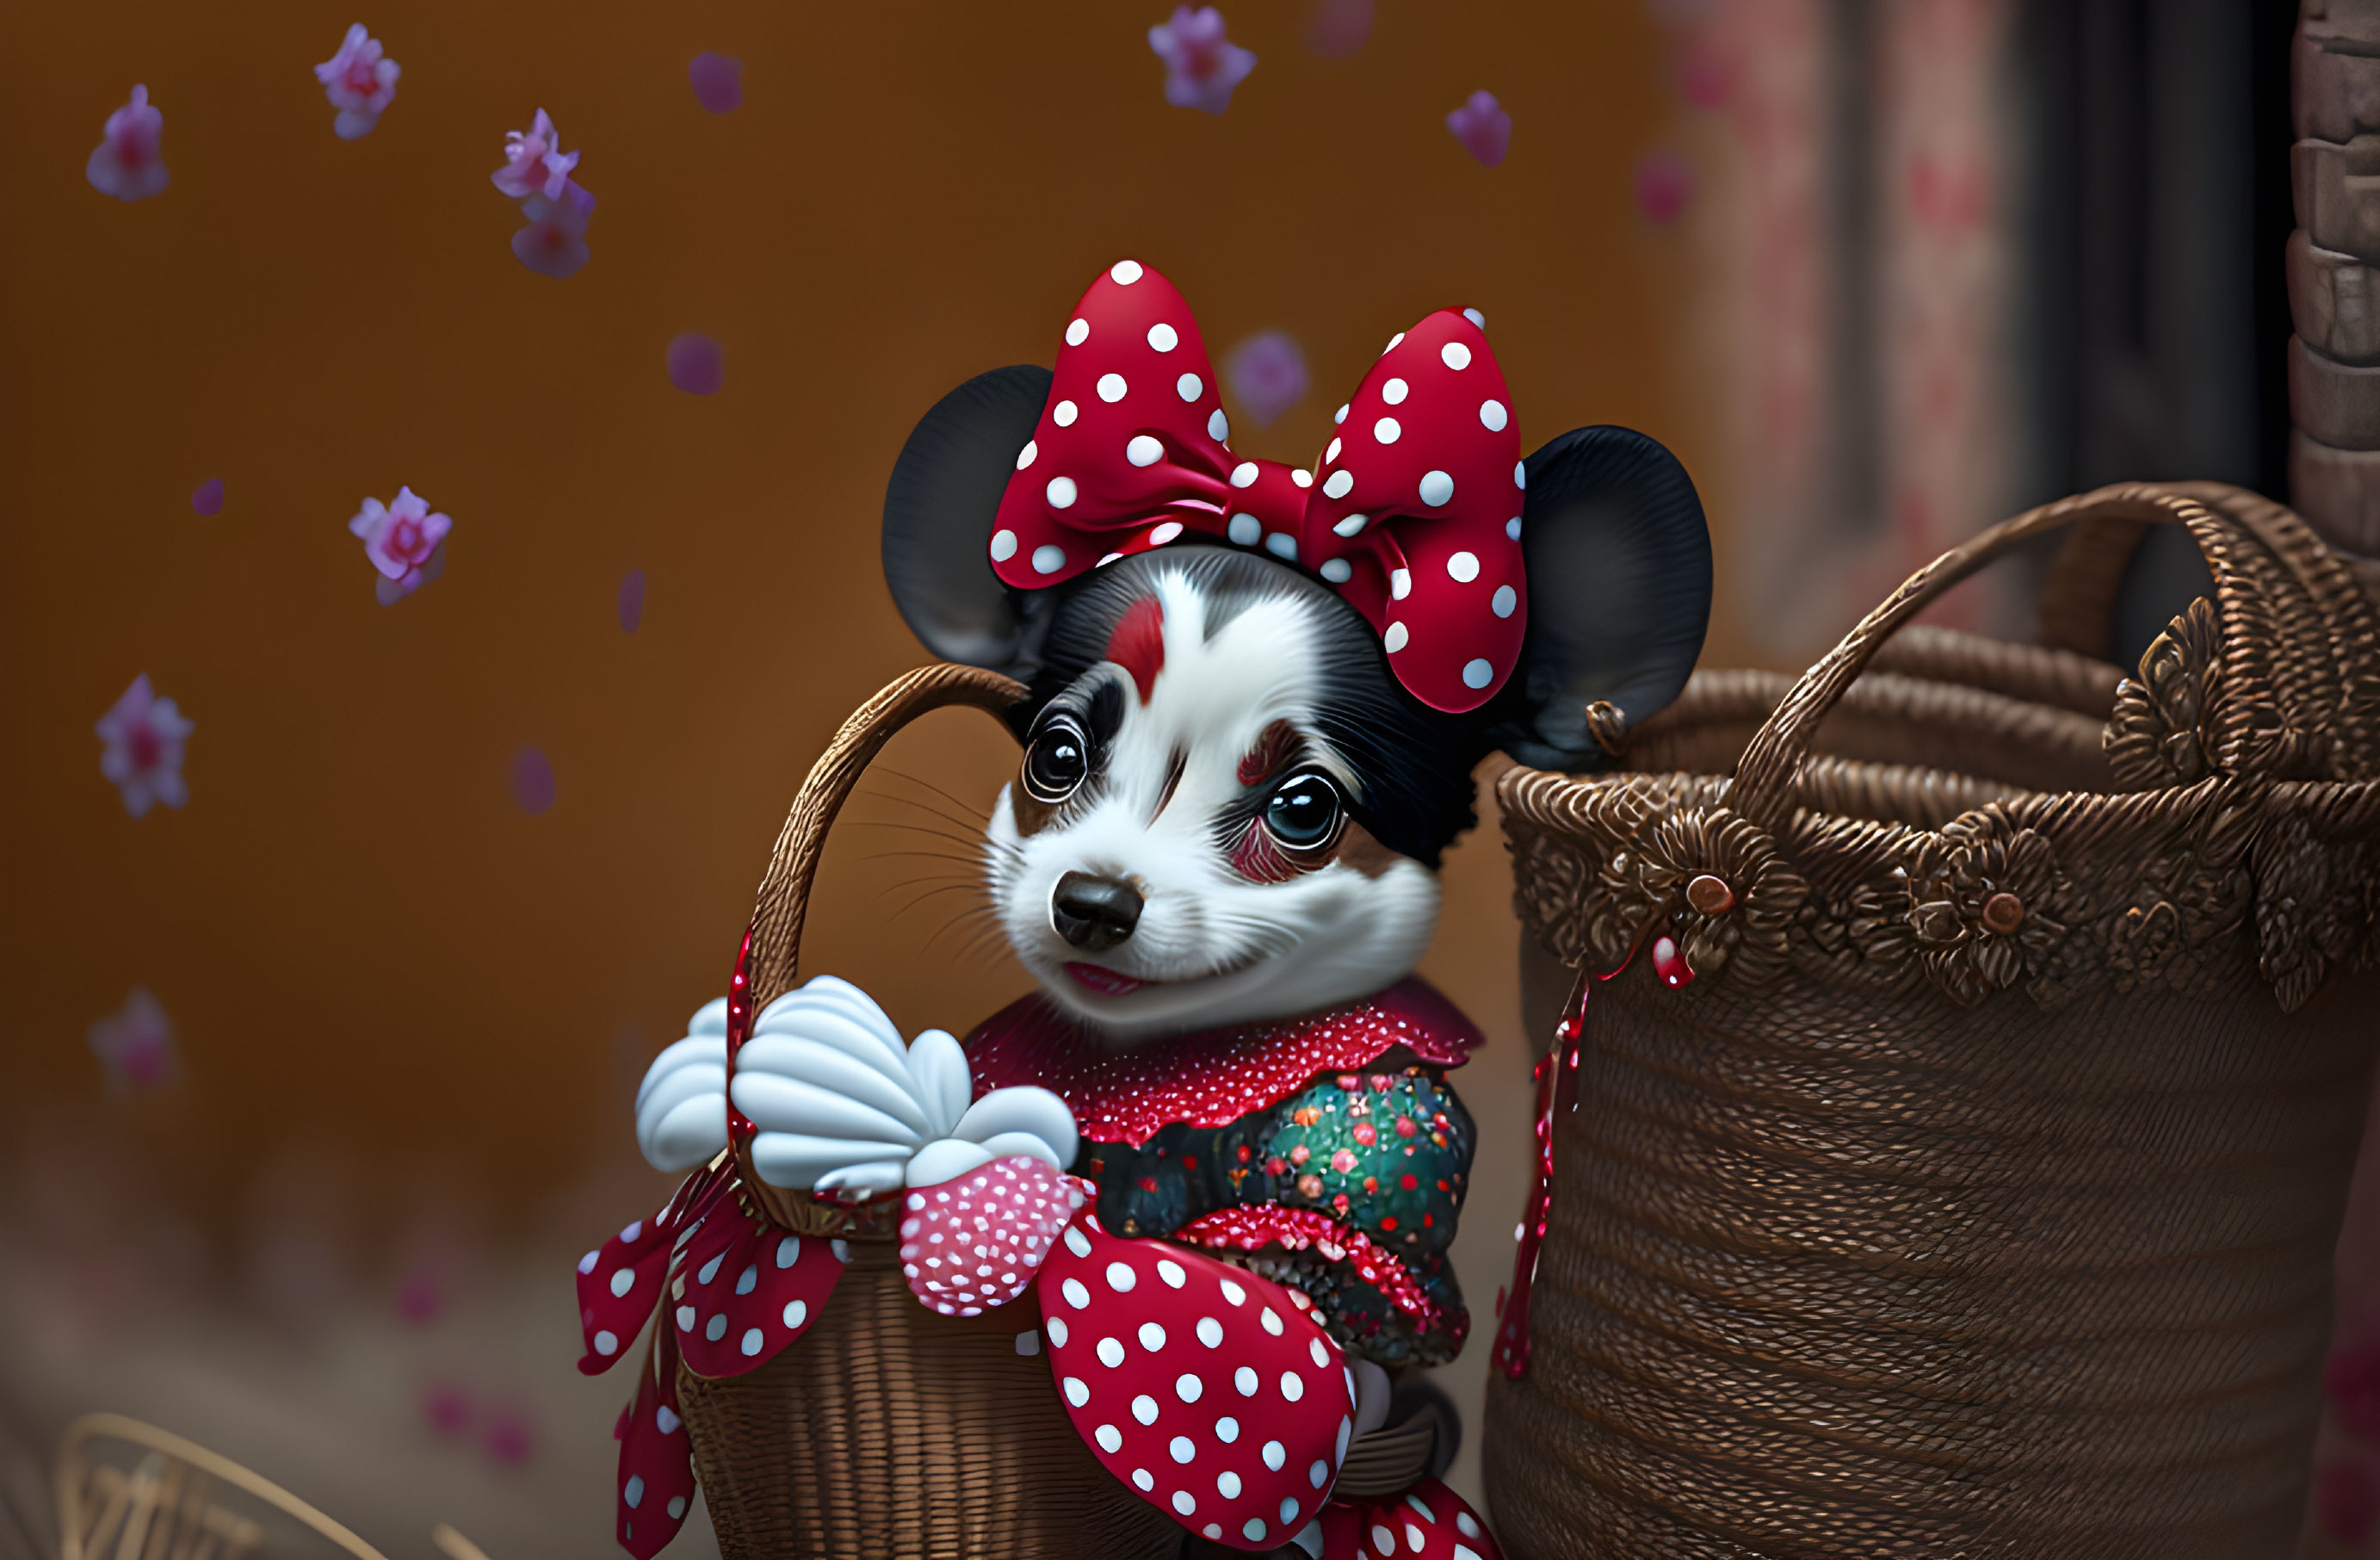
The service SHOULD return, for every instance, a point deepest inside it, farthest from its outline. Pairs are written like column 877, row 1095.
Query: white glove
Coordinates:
column 682, row 1105
column 843, row 1104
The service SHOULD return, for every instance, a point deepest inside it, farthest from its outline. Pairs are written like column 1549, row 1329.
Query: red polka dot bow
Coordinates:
column 1413, row 513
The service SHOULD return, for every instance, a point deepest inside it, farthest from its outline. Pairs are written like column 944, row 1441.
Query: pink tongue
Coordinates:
column 1101, row 980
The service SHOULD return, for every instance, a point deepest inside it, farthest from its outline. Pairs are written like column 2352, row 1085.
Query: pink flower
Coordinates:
column 535, row 164
column 1483, row 127
column 1267, row 373
column 136, row 1045
column 718, row 81
column 1201, row 64
column 554, row 242
column 359, row 83
column 1664, row 185
column 128, row 164
column 143, row 756
column 400, row 537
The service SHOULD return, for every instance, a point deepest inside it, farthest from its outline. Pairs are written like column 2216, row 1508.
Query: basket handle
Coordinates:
column 1765, row 778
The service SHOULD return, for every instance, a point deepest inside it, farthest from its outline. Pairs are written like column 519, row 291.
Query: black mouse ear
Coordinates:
column 1619, row 565
column 938, row 518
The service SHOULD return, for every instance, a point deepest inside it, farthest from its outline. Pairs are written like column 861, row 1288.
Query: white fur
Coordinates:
column 1219, row 948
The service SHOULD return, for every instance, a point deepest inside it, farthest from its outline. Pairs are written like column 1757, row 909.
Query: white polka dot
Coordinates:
column 1352, row 524
column 685, row 1318
column 1289, row 1510
column 1395, row 638
column 1437, row 487
column 1394, row 392
column 1477, row 318
column 1254, row 1528
column 666, row 1420
column 1076, row 1296
column 1028, row 1343
column 1170, row 1271
column 1189, row 387
column 1275, row 1454
column 1246, row 1380
column 1110, row 1353
column 1142, row 450
column 1400, row 583
column 632, row 1229
column 1384, row 1543
column 1292, row 1385
column 607, row 1343
column 1061, row 492
column 1244, row 474
column 1164, row 338
column 1319, row 1474
column 1152, row 1336
column 623, row 1280
column 1064, row 413
column 1076, row 1393
column 1520, row 473
column 1338, row 570
column 711, row 1269
column 676, row 1507
column 1512, row 528
column 747, row 1279
column 1321, row 1356
column 751, row 1342
column 716, row 1328
column 1187, row 1387
column 587, row 1264
column 1387, row 429
column 1227, row 1484
column 1184, row 1502
column 1463, row 567
column 1227, row 1429
column 635, row 1492
column 1234, row 1293
column 1339, row 484
column 1394, row 342
column 1003, row 545
column 1244, row 530
column 1048, row 558
column 1024, row 456
column 1346, row 1429
column 1478, row 674
column 1110, row 387
column 1165, row 534
column 1339, row 416
column 1281, row 544
column 1504, row 602
column 1077, row 332
column 1210, row 1331
column 789, row 1250
column 1492, row 416
column 1077, row 1242
column 1127, row 272
column 1466, row 1525
column 1218, row 427
column 1144, row 1409
column 1140, row 1477
column 1212, row 1530
column 1056, row 1327
column 1331, row 454
column 1109, row 1438
column 1455, row 355
column 1180, row 1449
column 1301, row 476
column 1413, row 1540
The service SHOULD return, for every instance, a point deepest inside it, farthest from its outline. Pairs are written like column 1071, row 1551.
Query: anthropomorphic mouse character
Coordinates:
column 1256, row 696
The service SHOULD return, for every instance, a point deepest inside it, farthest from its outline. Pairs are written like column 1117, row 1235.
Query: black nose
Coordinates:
column 1094, row 912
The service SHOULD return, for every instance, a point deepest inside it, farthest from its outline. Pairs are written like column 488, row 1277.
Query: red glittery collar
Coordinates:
column 1213, row 1078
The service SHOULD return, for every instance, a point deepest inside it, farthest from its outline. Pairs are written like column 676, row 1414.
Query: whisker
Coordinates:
column 957, row 802
column 963, row 816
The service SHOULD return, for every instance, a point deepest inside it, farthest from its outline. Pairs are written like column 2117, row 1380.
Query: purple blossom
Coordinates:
column 696, row 365
column 632, row 600
column 535, row 164
column 208, row 498
column 400, row 537
column 1201, row 64
column 136, row 1045
column 532, row 779
column 554, row 242
column 717, row 80
column 359, row 82
column 1483, row 127
column 128, row 164
column 1267, row 373
column 143, row 754
column 1664, row 184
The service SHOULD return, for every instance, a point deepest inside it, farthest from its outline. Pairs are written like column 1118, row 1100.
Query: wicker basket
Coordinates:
column 1956, row 1155
column 887, row 1430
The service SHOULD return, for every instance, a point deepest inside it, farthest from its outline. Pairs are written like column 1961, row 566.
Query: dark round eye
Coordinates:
column 1303, row 811
column 1057, row 760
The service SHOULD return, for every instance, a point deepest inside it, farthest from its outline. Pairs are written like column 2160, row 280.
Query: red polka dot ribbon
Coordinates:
column 1413, row 513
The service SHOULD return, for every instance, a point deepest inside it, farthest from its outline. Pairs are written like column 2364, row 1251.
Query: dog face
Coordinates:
column 1186, row 844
